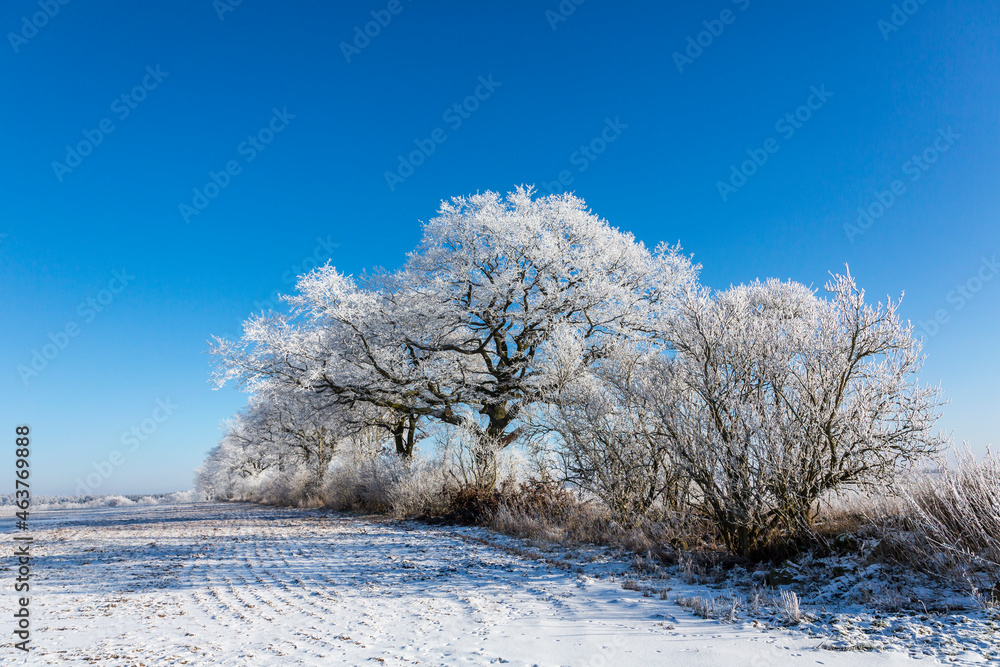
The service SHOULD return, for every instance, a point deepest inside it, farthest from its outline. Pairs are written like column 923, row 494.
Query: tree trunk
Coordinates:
column 403, row 433
column 492, row 441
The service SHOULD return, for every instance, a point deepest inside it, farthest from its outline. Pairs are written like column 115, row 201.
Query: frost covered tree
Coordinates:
column 278, row 431
column 458, row 333
column 338, row 351
column 300, row 424
column 786, row 397
column 245, row 452
column 610, row 437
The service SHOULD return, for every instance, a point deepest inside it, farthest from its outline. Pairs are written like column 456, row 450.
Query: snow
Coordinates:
column 76, row 502
column 239, row 584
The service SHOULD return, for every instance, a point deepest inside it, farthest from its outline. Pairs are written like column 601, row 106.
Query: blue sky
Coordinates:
column 892, row 111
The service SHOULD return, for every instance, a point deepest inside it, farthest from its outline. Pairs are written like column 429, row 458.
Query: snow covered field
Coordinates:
column 232, row 584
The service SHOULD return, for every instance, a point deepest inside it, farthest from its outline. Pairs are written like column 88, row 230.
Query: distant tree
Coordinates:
column 300, row 424
column 245, row 452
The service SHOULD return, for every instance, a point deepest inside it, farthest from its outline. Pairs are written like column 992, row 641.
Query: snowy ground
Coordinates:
column 231, row 584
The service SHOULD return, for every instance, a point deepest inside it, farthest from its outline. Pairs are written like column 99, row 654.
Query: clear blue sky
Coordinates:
column 607, row 69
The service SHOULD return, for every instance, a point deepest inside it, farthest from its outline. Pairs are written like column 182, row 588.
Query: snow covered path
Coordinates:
column 233, row 584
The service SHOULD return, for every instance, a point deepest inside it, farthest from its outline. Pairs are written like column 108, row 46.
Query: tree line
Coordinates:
column 528, row 321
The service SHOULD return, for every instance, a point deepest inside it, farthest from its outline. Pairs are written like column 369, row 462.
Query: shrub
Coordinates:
column 783, row 397
column 612, row 443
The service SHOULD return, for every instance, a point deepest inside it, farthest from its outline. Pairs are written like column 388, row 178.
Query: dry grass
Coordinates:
column 958, row 511
column 551, row 513
column 944, row 522
column 788, row 606
column 725, row 607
